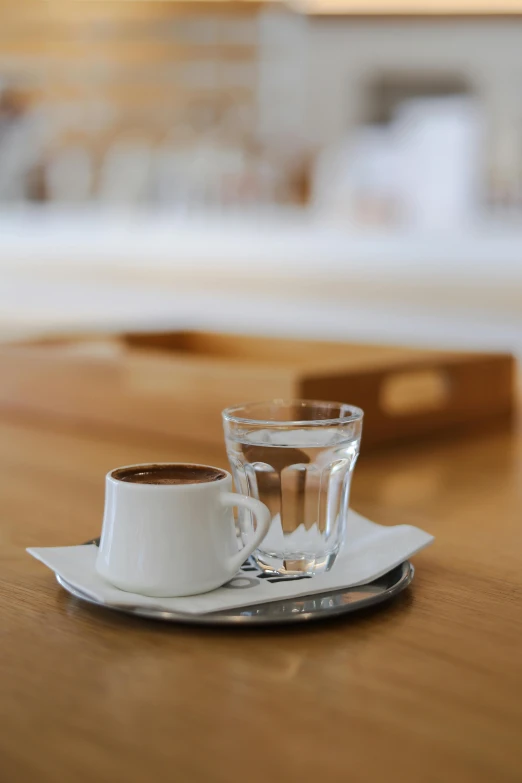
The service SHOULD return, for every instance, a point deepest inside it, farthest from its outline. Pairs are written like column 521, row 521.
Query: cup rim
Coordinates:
column 109, row 476
column 355, row 415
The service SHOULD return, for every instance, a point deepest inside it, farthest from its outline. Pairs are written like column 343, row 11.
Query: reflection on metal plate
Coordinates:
column 315, row 607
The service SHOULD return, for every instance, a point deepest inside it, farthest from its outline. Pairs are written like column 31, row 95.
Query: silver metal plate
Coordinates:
column 313, row 607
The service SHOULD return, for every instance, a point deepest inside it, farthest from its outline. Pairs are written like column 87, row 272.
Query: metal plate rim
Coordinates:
column 404, row 579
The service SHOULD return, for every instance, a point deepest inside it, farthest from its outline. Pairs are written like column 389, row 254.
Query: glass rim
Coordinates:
column 356, row 414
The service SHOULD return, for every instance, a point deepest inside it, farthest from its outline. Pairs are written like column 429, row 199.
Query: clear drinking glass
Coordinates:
column 297, row 457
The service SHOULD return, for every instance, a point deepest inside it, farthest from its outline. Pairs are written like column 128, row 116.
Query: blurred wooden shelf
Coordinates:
column 122, row 10
column 80, row 56
column 56, row 13
column 139, row 96
column 126, row 51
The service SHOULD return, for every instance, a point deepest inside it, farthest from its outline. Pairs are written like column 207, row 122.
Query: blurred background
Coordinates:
column 328, row 168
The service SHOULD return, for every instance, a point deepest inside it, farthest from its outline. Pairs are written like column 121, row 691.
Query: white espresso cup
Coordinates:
column 168, row 529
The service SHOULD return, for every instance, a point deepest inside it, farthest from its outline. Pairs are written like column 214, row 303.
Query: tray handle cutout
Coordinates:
column 412, row 392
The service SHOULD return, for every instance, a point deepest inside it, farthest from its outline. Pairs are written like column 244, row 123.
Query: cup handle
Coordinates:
column 263, row 520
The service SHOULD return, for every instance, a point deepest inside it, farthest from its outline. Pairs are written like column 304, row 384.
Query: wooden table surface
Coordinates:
column 428, row 689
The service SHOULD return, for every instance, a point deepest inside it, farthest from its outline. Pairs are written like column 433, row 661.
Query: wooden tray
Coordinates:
column 178, row 383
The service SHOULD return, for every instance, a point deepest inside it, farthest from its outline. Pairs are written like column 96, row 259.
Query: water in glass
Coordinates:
column 303, row 475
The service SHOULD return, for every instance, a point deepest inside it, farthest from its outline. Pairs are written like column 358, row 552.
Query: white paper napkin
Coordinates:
column 371, row 551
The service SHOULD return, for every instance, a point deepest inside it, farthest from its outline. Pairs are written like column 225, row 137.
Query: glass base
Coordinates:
column 294, row 563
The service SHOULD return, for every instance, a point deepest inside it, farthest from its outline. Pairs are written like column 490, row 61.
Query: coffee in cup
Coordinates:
column 168, row 529
column 168, row 474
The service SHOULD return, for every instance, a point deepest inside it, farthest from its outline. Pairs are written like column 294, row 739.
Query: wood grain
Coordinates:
column 427, row 690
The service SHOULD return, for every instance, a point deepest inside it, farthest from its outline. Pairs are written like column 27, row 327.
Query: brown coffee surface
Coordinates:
column 168, row 474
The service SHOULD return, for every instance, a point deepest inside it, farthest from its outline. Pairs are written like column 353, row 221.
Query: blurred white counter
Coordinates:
column 277, row 272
